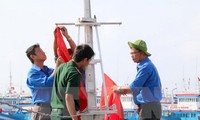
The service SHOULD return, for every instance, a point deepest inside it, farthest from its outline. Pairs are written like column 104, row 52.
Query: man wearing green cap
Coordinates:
column 146, row 87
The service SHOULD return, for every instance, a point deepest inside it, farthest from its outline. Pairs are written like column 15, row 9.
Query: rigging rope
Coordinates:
column 44, row 114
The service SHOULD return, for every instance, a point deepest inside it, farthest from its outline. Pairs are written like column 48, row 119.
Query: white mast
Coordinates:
column 87, row 22
column 90, row 71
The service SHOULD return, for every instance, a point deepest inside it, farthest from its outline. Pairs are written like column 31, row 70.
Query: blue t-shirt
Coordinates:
column 147, row 85
column 40, row 83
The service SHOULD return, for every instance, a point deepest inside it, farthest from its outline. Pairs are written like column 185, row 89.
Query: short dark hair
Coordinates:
column 31, row 51
column 83, row 51
column 70, row 51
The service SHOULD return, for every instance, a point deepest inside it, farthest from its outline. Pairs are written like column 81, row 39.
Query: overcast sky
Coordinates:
column 171, row 29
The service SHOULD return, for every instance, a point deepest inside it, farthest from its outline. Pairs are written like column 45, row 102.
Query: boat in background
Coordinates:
column 180, row 106
column 130, row 109
column 185, row 106
column 15, row 107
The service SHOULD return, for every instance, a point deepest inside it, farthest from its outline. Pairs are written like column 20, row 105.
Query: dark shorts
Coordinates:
column 150, row 111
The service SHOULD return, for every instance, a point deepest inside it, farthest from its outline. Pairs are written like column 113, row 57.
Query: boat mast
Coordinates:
column 198, row 78
column 10, row 82
column 90, row 71
column 88, row 22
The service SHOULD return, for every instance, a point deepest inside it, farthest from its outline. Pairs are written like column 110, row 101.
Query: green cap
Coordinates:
column 139, row 45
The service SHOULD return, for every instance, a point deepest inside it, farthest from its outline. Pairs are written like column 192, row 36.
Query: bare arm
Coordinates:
column 55, row 46
column 58, row 62
column 69, row 99
column 69, row 39
column 121, row 89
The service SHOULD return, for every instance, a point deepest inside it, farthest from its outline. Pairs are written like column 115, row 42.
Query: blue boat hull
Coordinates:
column 19, row 115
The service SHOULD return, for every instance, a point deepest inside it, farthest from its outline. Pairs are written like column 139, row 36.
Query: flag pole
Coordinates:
column 102, row 71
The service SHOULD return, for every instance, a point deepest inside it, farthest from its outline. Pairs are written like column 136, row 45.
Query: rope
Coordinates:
column 43, row 114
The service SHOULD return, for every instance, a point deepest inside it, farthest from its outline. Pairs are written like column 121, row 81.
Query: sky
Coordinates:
column 171, row 29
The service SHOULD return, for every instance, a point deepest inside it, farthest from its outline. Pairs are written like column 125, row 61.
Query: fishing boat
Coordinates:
column 185, row 106
column 15, row 107
column 130, row 109
column 180, row 106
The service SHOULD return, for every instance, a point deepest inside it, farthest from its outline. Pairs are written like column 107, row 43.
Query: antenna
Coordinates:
column 10, row 76
column 198, row 78
column 189, row 84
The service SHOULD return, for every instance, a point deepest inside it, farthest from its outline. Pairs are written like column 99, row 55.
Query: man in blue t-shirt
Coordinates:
column 40, row 81
column 146, row 87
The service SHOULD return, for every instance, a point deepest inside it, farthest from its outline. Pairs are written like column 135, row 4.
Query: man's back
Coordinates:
column 67, row 80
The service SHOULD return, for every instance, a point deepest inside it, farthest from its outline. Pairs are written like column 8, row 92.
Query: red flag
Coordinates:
column 83, row 97
column 60, row 46
column 113, row 98
column 61, row 49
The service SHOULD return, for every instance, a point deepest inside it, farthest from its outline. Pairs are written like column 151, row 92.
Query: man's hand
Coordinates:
column 116, row 89
column 59, row 61
column 64, row 31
